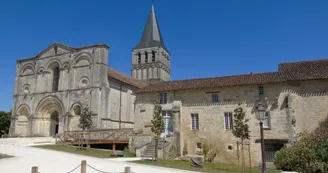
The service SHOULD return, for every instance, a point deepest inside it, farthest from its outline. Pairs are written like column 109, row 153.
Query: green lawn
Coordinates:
column 2, row 156
column 209, row 167
column 75, row 150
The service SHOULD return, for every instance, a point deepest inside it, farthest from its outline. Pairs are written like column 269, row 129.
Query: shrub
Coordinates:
column 127, row 153
column 185, row 149
column 209, row 152
column 309, row 154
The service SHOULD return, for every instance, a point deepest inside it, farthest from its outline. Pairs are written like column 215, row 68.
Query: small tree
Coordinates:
column 4, row 122
column 85, row 119
column 241, row 130
column 157, row 126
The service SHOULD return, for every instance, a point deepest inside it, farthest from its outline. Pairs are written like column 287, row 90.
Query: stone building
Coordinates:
column 52, row 88
column 198, row 111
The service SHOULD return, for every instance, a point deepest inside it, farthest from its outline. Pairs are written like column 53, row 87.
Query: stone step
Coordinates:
column 148, row 155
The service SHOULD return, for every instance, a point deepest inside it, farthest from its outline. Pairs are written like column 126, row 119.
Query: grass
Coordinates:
column 3, row 156
column 209, row 167
column 88, row 152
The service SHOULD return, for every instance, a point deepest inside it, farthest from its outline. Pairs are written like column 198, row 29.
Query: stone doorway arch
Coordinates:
column 22, row 125
column 54, row 124
column 50, row 117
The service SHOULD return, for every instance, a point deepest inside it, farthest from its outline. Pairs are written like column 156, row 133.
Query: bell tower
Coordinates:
column 150, row 58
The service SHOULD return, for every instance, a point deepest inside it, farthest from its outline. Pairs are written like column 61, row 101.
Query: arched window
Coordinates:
column 77, row 110
column 139, row 57
column 153, row 56
column 146, row 57
column 55, row 81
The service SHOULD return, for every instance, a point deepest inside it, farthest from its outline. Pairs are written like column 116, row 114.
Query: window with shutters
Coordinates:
column 55, row 81
column 194, row 122
column 228, row 123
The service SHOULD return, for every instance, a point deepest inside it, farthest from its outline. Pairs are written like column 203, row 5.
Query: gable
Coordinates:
column 54, row 49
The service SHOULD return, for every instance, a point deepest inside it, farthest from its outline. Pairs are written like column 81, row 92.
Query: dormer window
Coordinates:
column 153, row 56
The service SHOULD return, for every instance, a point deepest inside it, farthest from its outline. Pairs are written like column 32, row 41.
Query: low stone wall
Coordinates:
column 138, row 141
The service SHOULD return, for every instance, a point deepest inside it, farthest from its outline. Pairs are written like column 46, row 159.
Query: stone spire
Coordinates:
column 150, row 58
column 151, row 36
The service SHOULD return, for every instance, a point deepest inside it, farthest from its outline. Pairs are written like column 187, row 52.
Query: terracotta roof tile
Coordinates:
column 124, row 78
column 306, row 70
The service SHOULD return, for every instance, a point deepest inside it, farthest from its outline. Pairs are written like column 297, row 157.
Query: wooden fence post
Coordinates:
column 35, row 169
column 127, row 170
column 83, row 166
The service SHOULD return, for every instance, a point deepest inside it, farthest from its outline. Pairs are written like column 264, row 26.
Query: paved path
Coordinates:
column 50, row 161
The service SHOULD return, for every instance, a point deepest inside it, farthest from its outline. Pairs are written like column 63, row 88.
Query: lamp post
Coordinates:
column 260, row 115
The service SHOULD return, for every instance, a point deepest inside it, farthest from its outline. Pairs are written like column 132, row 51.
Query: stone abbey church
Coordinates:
column 52, row 88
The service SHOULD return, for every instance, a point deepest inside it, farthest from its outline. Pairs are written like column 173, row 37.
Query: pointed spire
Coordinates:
column 151, row 36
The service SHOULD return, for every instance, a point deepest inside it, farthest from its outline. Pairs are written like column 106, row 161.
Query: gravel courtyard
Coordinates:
column 59, row 162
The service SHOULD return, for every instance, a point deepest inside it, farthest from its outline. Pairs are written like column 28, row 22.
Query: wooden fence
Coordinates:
column 83, row 168
column 96, row 136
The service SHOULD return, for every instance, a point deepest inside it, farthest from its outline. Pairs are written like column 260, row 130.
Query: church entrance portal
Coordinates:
column 50, row 117
column 54, row 123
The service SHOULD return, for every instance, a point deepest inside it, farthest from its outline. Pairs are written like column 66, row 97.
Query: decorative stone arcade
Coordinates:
column 49, row 119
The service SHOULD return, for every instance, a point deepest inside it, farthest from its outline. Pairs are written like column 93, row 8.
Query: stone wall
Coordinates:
column 83, row 81
column 293, row 107
column 121, row 105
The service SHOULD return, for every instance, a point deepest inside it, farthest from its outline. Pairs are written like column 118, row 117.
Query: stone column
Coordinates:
column 61, row 124
column 30, row 125
column 176, row 125
column 12, row 128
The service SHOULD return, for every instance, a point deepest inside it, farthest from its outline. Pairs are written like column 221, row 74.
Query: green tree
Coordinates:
column 157, row 126
column 85, row 119
column 241, row 130
column 5, row 122
column 308, row 153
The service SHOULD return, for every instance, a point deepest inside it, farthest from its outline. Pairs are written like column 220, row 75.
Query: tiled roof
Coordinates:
column 124, row 78
column 305, row 70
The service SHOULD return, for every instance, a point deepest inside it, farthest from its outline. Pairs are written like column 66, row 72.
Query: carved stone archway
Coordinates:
column 22, row 125
column 49, row 117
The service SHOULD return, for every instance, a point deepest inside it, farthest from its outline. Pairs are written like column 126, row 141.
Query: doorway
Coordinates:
column 54, row 124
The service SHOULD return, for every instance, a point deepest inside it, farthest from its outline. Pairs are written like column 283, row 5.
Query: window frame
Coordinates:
column 162, row 99
column 268, row 117
column 261, row 90
column 194, row 127
column 146, row 57
column 139, row 57
column 55, row 79
column 231, row 120
column 213, row 98
column 153, row 56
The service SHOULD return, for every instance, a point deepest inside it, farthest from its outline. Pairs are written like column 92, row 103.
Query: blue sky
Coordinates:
column 205, row 38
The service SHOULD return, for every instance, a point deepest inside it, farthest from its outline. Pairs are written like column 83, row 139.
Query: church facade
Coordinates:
column 52, row 88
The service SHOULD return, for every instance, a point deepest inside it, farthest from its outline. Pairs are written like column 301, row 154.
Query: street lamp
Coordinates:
column 260, row 115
